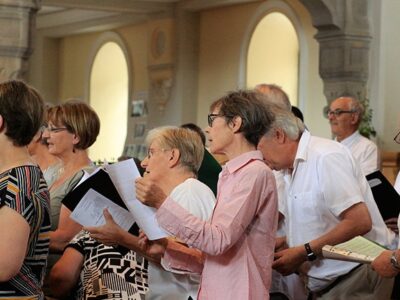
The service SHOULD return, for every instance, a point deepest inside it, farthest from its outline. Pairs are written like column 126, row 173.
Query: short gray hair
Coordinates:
column 286, row 121
column 187, row 141
column 356, row 106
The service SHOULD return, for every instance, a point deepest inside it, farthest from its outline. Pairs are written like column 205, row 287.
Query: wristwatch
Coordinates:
column 395, row 263
column 310, row 254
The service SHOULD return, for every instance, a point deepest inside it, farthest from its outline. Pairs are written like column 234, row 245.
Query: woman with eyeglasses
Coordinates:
column 238, row 241
column 173, row 159
column 72, row 127
column 24, row 197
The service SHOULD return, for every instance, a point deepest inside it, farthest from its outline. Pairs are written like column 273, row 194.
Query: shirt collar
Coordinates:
column 242, row 160
column 301, row 153
column 350, row 139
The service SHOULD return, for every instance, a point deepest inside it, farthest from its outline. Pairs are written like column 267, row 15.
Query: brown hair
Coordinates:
column 79, row 118
column 249, row 105
column 22, row 108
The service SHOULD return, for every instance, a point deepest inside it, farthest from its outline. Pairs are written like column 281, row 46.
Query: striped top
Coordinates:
column 24, row 190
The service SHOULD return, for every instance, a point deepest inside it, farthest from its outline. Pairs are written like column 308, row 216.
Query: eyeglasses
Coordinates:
column 151, row 151
column 337, row 112
column 212, row 117
column 53, row 129
column 397, row 138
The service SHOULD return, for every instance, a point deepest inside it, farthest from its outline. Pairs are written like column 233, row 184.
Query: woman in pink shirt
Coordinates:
column 238, row 240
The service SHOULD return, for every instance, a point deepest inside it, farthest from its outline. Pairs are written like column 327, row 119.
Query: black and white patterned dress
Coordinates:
column 108, row 272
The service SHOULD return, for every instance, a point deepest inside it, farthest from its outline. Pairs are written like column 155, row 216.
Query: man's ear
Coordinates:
column 236, row 123
column 354, row 118
column 174, row 158
column 1, row 122
column 280, row 136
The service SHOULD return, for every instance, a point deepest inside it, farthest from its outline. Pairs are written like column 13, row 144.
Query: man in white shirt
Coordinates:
column 288, row 287
column 328, row 202
column 345, row 114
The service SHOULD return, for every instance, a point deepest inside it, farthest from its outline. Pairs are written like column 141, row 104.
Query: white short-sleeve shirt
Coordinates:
column 364, row 151
column 325, row 182
column 199, row 200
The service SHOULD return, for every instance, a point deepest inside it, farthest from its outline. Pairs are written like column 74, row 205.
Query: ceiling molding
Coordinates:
column 197, row 5
column 70, row 16
column 99, row 24
column 132, row 6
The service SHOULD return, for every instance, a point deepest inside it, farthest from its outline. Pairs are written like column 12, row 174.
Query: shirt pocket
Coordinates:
column 306, row 210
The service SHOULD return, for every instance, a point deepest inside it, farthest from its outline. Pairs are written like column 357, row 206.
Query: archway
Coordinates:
column 273, row 54
column 109, row 94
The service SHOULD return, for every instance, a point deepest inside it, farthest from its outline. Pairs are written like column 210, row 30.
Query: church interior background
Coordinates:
column 146, row 63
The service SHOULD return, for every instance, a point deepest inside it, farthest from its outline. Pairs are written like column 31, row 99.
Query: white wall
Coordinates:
column 384, row 80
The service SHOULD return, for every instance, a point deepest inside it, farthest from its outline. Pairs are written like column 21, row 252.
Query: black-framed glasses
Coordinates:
column 397, row 138
column 337, row 112
column 211, row 118
column 54, row 129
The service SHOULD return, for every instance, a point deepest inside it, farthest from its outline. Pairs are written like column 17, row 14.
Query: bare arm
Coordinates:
column 65, row 273
column 66, row 230
column 356, row 220
column 14, row 232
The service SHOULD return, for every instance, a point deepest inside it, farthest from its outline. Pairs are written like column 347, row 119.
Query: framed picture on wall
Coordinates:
column 139, row 130
column 139, row 108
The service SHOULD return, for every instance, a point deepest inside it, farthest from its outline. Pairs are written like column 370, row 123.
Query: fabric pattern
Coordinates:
column 108, row 272
column 24, row 190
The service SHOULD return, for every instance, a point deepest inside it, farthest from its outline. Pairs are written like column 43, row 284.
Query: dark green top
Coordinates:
column 209, row 171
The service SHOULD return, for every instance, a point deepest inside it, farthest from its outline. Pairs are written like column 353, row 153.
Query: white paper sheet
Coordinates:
column 123, row 175
column 89, row 211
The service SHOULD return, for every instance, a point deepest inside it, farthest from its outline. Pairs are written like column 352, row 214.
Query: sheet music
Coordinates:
column 123, row 175
column 89, row 211
column 358, row 249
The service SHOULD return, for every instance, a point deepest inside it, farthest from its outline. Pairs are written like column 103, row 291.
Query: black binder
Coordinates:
column 386, row 197
column 101, row 183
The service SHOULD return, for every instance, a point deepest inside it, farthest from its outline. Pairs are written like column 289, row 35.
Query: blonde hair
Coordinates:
column 188, row 143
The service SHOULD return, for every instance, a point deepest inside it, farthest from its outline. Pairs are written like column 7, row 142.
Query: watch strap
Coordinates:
column 394, row 262
column 310, row 254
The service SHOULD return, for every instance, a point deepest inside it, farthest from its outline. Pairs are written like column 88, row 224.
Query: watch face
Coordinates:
column 311, row 256
column 394, row 261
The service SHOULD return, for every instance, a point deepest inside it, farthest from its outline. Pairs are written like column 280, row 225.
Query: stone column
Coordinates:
column 344, row 39
column 17, row 22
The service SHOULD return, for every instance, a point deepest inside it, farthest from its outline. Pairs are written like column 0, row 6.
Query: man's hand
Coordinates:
column 289, row 260
column 109, row 234
column 149, row 193
column 382, row 265
column 392, row 224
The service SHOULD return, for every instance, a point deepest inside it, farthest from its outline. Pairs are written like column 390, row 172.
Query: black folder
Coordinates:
column 101, row 183
column 386, row 197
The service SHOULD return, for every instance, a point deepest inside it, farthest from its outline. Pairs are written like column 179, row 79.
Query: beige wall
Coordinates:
column 222, row 32
column 384, row 80
column 221, row 35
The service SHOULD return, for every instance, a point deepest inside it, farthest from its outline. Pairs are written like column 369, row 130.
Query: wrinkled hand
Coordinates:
column 154, row 249
column 392, row 224
column 149, row 193
column 289, row 260
column 382, row 265
column 109, row 233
